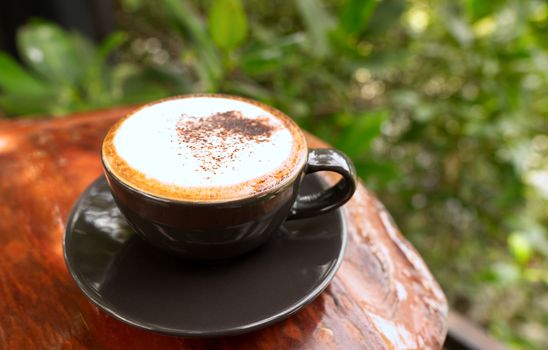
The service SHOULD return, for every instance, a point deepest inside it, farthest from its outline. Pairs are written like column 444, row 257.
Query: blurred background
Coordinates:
column 442, row 105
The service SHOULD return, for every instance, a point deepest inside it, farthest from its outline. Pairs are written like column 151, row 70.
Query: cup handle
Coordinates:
column 333, row 197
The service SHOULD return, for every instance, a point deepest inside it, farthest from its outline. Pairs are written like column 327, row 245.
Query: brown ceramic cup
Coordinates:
column 223, row 229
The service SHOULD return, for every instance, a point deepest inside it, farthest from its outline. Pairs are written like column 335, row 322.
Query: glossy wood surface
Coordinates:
column 383, row 296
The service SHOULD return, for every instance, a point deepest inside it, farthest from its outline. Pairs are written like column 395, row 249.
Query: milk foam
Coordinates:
column 149, row 141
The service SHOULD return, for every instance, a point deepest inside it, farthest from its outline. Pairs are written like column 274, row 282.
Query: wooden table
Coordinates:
column 383, row 296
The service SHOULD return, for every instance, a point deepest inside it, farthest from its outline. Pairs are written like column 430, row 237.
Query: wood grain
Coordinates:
column 383, row 296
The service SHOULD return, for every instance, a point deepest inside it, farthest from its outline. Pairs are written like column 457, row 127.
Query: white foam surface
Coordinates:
column 149, row 143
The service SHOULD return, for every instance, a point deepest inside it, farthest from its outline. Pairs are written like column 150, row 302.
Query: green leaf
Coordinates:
column 356, row 138
column 119, row 74
column 271, row 56
column 479, row 8
column 505, row 273
column 457, row 27
column 208, row 64
column 85, row 51
column 19, row 104
column 138, row 91
column 520, row 247
column 96, row 82
column 53, row 53
column 248, row 88
column 16, row 80
column 188, row 21
column 355, row 15
column 111, row 43
column 227, row 23
column 170, row 77
column 131, row 84
column 388, row 15
column 382, row 170
column 318, row 24
column 262, row 60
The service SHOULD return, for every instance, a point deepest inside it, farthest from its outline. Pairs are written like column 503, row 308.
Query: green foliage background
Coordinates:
column 442, row 105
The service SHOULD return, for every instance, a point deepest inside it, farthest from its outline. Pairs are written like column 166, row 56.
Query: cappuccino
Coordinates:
column 205, row 148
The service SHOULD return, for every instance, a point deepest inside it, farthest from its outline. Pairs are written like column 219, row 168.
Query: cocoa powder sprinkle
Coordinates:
column 217, row 139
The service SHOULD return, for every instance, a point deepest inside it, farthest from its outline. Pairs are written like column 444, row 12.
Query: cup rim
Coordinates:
column 233, row 202
column 288, row 181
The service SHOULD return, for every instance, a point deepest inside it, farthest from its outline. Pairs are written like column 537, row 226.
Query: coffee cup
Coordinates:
column 211, row 176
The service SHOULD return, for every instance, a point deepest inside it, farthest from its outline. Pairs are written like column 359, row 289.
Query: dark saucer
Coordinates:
column 150, row 289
